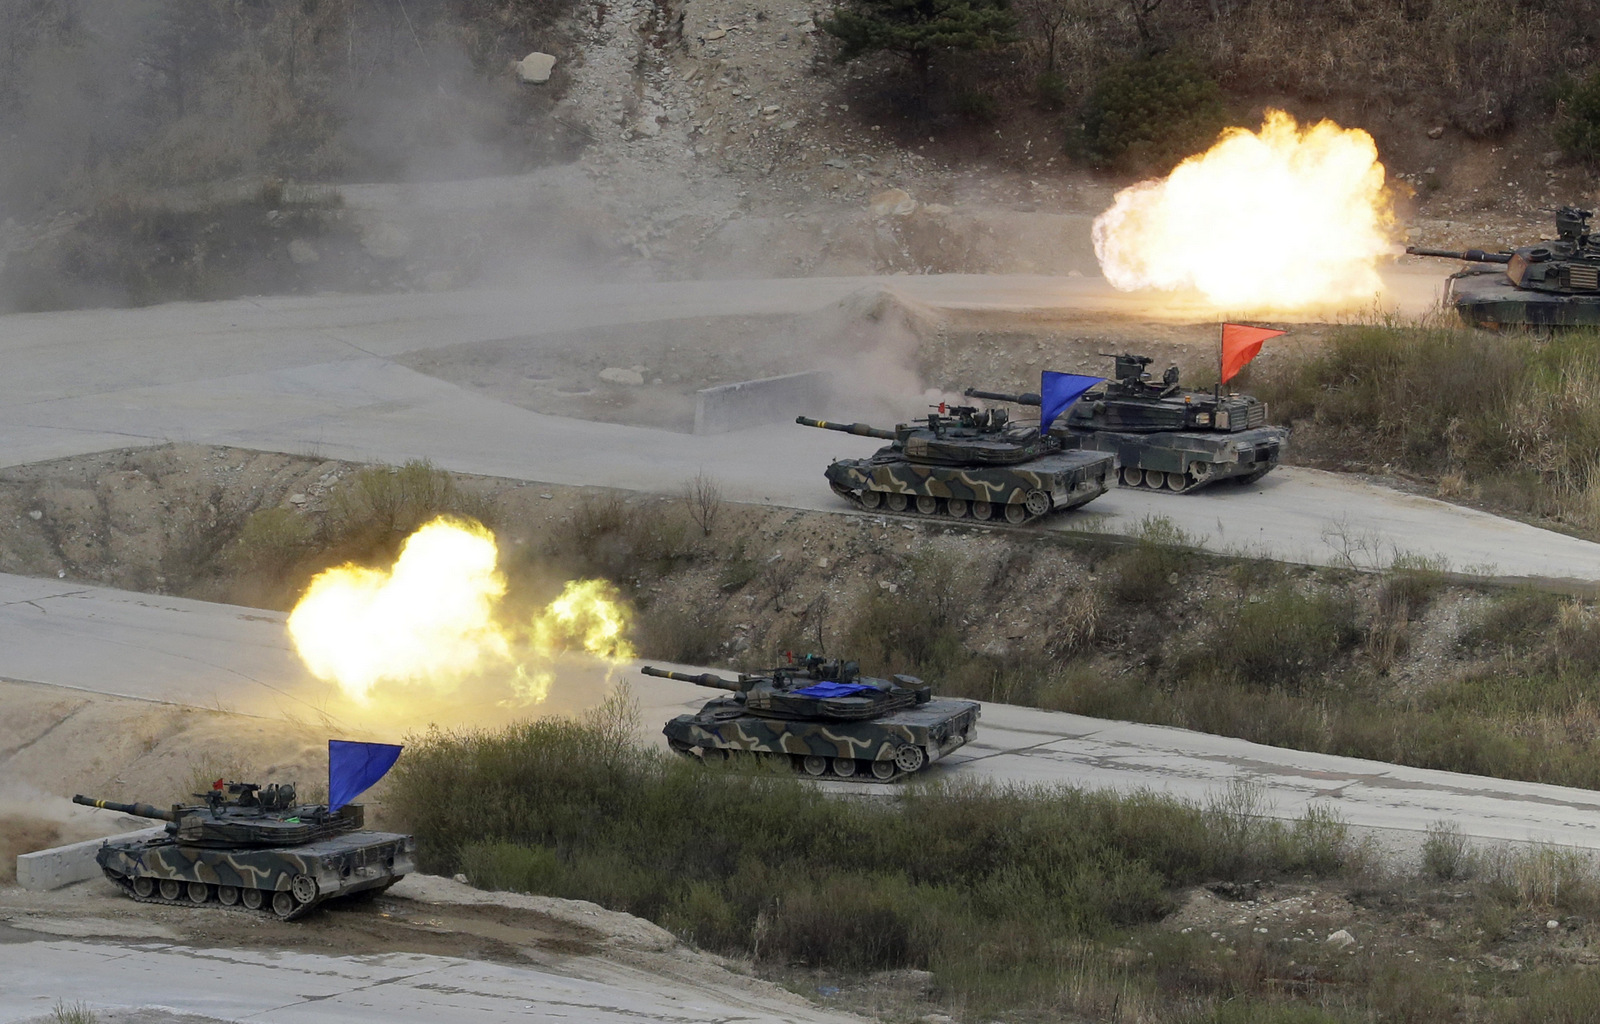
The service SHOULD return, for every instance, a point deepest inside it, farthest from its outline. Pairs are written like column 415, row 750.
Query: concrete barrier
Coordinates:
column 63, row 865
column 750, row 403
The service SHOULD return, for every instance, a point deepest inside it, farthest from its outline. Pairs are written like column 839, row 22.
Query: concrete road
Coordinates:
column 240, row 659
column 305, row 988
column 316, row 376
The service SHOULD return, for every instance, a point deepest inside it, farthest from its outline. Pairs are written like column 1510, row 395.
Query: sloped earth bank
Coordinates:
column 421, row 916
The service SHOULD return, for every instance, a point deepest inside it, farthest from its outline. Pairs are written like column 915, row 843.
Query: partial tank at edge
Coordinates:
column 825, row 719
column 964, row 462
column 1163, row 436
column 253, row 848
column 1554, row 283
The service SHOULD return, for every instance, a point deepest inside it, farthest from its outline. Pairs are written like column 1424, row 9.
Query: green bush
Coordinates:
column 1051, row 90
column 1145, row 574
column 1577, row 127
column 1513, row 621
column 1281, row 640
column 272, row 538
column 1445, row 854
column 509, row 866
column 763, row 865
column 1148, row 114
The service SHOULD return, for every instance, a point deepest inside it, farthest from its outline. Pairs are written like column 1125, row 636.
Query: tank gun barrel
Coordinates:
column 142, row 810
column 846, row 428
column 709, row 679
column 1024, row 398
column 1470, row 255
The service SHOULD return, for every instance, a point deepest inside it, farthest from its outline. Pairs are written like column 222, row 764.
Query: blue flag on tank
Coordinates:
column 354, row 767
column 1057, row 392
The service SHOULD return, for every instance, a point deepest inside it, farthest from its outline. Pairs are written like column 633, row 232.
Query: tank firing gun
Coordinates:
column 1467, row 255
column 138, row 810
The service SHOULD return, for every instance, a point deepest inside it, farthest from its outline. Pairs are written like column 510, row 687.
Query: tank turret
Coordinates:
column 966, row 461
column 825, row 717
column 1554, row 283
column 255, row 845
column 1163, row 436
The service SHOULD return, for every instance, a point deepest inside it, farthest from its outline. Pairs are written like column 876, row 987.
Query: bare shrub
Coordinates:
column 387, row 501
column 703, row 497
column 622, row 539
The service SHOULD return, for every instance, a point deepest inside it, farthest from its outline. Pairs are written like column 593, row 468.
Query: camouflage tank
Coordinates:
column 825, row 719
column 253, row 848
column 1164, row 437
column 965, row 462
column 1552, row 284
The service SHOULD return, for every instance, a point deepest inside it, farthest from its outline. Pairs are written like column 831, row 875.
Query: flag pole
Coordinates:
column 1221, row 328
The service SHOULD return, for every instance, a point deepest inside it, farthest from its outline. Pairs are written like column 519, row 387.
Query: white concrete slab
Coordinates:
column 63, row 865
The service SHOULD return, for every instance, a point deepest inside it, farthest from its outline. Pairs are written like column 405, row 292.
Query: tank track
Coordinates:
column 941, row 508
column 1143, row 480
column 797, row 762
column 212, row 902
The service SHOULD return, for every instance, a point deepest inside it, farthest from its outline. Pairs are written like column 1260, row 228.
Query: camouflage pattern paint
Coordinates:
column 307, row 874
column 879, row 749
column 1050, row 483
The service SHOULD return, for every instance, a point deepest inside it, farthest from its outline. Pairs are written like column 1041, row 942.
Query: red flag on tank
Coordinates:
column 1240, row 344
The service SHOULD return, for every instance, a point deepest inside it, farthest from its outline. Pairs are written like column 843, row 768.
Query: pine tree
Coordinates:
column 916, row 29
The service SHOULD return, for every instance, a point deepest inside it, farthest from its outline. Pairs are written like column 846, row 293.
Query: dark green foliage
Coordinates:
column 1512, row 621
column 1146, row 115
column 916, row 30
column 1051, row 90
column 763, row 865
column 1281, row 640
column 1514, row 416
column 1577, row 127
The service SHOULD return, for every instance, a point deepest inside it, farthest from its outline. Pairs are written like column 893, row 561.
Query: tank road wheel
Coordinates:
column 144, row 887
column 1132, row 476
column 844, row 767
column 1177, row 481
column 1016, row 513
column 1037, row 503
column 815, row 764
column 199, row 892
column 283, row 904
column 883, row 770
column 909, row 759
column 170, row 889
column 871, row 498
column 228, row 895
column 898, row 502
column 982, row 511
column 254, row 898
column 1154, row 478
column 304, row 888
column 927, row 505
column 957, row 508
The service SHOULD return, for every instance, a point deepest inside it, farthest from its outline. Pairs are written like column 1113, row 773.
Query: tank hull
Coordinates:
column 1182, row 461
column 285, row 880
column 1483, row 297
column 881, row 749
column 890, row 482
